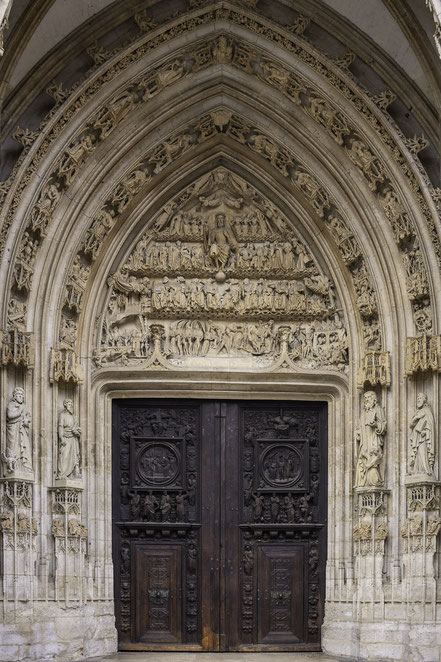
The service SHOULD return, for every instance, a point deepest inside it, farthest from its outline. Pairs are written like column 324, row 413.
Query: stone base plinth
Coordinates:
column 51, row 633
column 382, row 641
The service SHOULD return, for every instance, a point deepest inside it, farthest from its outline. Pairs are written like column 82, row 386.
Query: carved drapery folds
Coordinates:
column 17, row 452
column 423, row 353
column 69, row 452
column 369, row 442
column 422, row 440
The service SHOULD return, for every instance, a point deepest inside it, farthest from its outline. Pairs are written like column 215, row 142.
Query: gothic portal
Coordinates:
column 220, row 252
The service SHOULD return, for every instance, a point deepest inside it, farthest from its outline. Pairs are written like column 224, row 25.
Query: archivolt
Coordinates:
column 363, row 134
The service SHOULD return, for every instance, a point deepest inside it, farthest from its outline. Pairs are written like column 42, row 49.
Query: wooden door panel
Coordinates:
column 280, row 591
column 219, row 512
column 157, row 519
column 282, row 514
column 157, row 588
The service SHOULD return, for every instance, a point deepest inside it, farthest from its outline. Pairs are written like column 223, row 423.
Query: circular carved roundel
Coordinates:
column 158, row 464
column 281, row 465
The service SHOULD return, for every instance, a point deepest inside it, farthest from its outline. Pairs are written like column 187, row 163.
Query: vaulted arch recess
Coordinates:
column 220, row 209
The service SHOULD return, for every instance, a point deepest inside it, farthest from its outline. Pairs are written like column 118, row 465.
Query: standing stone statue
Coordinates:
column 68, row 443
column 369, row 439
column 422, row 446
column 18, row 444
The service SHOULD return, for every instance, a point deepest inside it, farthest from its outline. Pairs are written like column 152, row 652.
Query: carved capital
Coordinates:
column 374, row 369
column 65, row 367
column 423, row 353
column 17, row 347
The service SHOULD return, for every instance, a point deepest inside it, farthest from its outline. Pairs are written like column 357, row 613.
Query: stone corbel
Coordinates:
column 65, row 366
column 374, row 370
column 17, row 347
column 423, row 354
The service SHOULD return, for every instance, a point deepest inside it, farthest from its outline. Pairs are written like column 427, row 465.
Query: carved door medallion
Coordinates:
column 219, row 524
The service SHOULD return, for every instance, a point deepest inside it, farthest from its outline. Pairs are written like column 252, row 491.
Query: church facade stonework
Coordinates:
column 219, row 210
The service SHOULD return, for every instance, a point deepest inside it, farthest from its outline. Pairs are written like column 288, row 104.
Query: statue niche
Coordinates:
column 224, row 275
column 18, row 454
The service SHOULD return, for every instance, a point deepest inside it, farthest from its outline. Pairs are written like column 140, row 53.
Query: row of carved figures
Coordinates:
column 161, row 507
column 369, row 440
column 279, row 508
column 192, row 227
column 316, row 344
column 288, row 257
column 17, row 455
column 314, row 297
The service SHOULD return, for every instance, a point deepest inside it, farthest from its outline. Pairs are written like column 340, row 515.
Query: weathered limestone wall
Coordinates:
column 221, row 209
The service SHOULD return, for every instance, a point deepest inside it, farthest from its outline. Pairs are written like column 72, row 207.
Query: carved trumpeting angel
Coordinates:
column 219, row 240
column 422, row 447
column 369, row 439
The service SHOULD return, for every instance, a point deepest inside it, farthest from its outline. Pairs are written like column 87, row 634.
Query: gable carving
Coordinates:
column 225, row 276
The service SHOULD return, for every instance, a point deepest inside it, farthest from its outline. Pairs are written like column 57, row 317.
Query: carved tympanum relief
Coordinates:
column 422, row 439
column 220, row 271
column 18, row 452
column 369, row 441
column 297, row 88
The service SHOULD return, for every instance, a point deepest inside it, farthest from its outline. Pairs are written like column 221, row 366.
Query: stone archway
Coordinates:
column 222, row 211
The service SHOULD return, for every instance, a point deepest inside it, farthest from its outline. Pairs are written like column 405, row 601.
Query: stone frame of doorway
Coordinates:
column 329, row 388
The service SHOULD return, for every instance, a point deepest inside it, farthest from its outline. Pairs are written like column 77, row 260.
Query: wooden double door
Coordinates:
column 219, row 524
